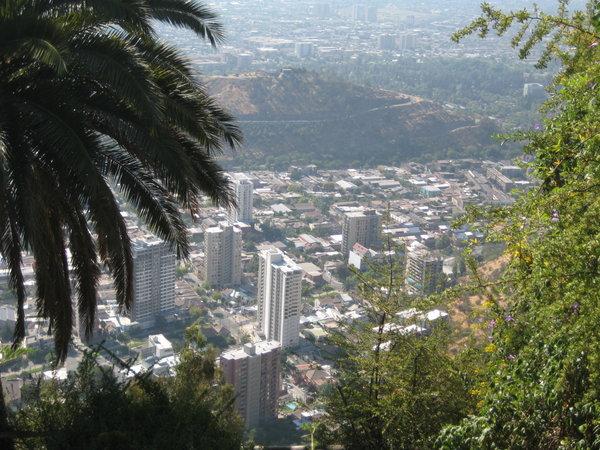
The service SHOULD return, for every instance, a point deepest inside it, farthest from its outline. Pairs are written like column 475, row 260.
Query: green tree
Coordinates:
column 249, row 247
column 194, row 338
column 8, row 354
column 272, row 233
column 252, row 265
column 93, row 409
column 91, row 99
column 541, row 384
column 443, row 242
column 395, row 388
column 181, row 270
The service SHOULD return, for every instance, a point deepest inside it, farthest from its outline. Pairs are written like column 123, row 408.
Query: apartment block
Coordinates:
column 255, row 373
column 279, row 294
column 223, row 256
column 244, row 196
column 424, row 271
column 154, row 266
column 363, row 227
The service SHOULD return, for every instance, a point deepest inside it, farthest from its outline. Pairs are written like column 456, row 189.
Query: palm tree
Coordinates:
column 91, row 100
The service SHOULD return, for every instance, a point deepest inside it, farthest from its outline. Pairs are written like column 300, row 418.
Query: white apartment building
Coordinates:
column 363, row 227
column 255, row 373
column 154, row 266
column 279, row 293
column 244, row 196
column 158, row 346
column 222, row 256
column 8, row 313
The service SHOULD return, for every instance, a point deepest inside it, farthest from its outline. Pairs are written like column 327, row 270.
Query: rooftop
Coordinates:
column 247, row 350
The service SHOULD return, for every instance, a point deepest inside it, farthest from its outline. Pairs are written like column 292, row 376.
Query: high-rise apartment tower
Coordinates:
column 278, row 295
column 244, row 196
column 363, row 227
column 255, row 373
column 223, row 256
column 153, row 280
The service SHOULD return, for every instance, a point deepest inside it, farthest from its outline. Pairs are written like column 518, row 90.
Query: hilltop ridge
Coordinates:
column 295, row 115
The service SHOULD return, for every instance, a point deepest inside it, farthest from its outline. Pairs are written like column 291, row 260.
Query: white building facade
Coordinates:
column 244, row 196
column 279, row 297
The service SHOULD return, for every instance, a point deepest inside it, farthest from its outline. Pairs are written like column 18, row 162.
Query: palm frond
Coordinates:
column 188, row 14
column 36, row 38
column 85, row 268
column 111, row 59
column 130, row 15
column 209, row 177
column 151, row 200
column 11, row 249
column 91, row 98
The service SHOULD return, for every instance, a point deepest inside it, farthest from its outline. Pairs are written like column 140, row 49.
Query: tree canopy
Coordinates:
column 397, row 384
column 541, row 387
column 94, row 409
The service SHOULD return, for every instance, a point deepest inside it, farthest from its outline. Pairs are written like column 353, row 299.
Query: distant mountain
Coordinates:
column 296, row 116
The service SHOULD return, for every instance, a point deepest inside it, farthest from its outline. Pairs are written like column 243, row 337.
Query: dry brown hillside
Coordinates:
column 298, row 116
column 468, row 312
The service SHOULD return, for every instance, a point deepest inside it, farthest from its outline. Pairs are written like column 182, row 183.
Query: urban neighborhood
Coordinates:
column 270, row 278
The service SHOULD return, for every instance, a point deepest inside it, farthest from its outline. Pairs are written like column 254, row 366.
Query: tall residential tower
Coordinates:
column 424, row 270
column 363, row 227
column 255, row 373
column 223, row 256
column 153, row 280
column 279, row 292
column 244, row 196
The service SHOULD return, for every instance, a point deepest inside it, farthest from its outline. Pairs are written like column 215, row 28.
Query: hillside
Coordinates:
column 297, row 116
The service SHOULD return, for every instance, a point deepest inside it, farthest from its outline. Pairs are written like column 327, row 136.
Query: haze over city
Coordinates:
column 313, row 223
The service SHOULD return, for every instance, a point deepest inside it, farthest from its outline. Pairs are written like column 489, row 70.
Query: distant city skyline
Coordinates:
column 351, row 112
